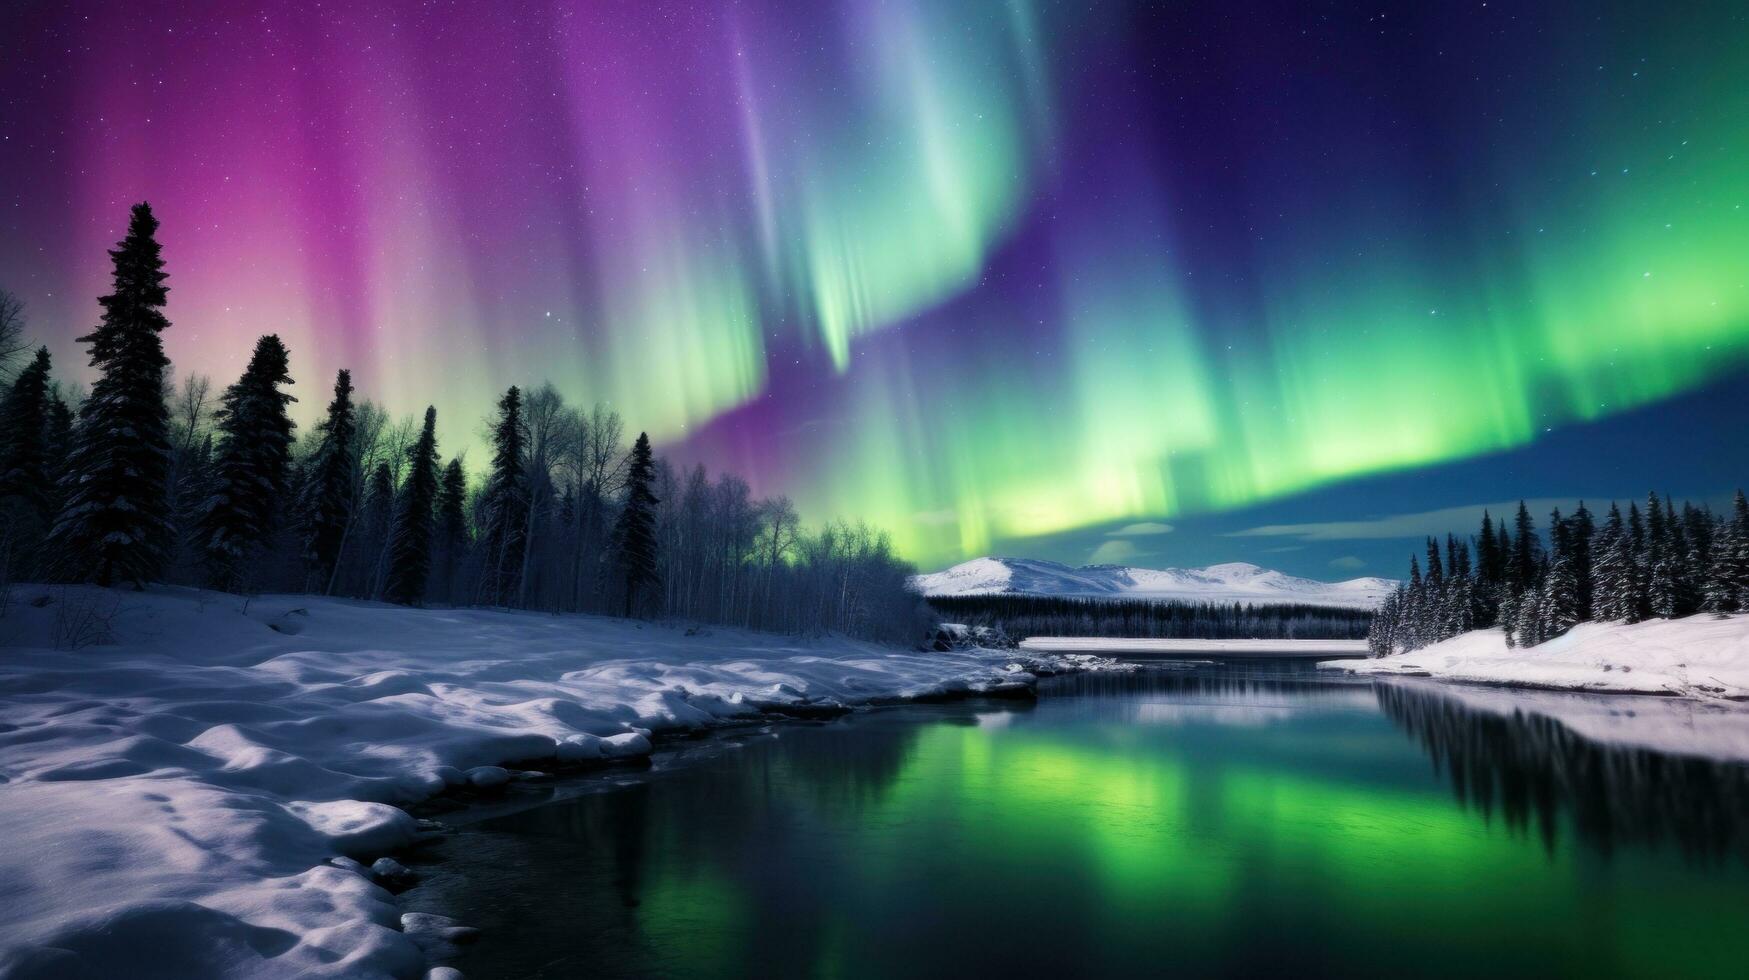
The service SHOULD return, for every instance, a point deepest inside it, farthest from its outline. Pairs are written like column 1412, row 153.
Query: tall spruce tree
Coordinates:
column 26, row 503
column 634, row 534
column 254, row 457
column 1727, row 588
column 1487, row 564
column 327, row 503
column 1613, row 586
column 377, row 521
column 410, row 550
column 114, row 524
column 506, row 504
column 1522, row 572
column 1558, row 609
column 1581, row 529
column 452, row 526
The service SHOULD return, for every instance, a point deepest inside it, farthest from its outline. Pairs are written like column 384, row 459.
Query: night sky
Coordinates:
column 1298, row 281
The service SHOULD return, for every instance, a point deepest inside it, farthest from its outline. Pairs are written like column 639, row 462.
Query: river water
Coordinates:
column 1229, row 820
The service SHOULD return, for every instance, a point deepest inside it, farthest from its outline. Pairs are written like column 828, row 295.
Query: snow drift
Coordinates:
column 1230, row 582
column 1700, row 656
column 197, row 786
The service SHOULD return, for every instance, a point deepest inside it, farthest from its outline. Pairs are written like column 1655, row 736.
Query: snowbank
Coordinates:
column 1202, row 648
column 1701, row 657
column 197, row 787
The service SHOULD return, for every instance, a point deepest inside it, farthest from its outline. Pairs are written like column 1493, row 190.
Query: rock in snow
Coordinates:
column 202, row 788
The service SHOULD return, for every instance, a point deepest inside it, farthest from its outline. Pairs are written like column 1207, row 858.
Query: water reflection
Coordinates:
column 1538, row 774
column 1238, row 820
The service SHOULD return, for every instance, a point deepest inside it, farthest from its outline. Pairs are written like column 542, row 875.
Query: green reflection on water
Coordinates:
column 1195, row 836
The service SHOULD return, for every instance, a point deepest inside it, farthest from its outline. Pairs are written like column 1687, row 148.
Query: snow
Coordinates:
column 1206, row 648
column 207, row 786
column 1229, row 582
column 1701, row 657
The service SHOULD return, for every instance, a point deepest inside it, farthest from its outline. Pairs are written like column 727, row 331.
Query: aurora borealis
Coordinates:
column 974, row 271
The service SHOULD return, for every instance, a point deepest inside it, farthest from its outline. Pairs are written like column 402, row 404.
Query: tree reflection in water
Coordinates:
column 1536, row 772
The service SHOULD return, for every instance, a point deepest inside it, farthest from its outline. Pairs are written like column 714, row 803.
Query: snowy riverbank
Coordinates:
column 1215, row 649
column 1700, row 657
column 184, row 787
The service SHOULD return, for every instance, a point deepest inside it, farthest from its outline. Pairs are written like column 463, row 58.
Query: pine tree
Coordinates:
column 1662, row 590
column 1613, row 587
column 506, row 504
column 1487, row 567
column 1579, row 537
column 1727, row 587
column 327, row 498
column 1414, row 611
column 251, row 469
column 114, row 525
column 634, row 534
column 1522, row 572
column 410, row 551
column 452, row 525
column 1558, row 610
column 26, row 504
column 1510, row 607
column 1381, row 634
column 377, row 521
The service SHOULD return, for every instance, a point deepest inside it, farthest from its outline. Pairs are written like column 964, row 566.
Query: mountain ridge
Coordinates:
column 1223, row 582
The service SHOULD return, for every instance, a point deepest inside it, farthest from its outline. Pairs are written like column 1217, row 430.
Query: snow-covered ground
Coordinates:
column 1700, row 656
column 1206, row 648
column 182, row 800
column 1231, row 582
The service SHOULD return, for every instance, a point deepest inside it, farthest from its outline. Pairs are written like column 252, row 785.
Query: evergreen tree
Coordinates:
column 1510, row 607
column 1614, row 577
column 1487, row 560
column 634, row 535
column 506, row 504
column 1579, row 536
column 1522, row 573
column 378, row 521
column 254, row 457
column 1414, row 608
column 1639, row 565
column 114, row 525
column 1662, row 590
column 1727, row 587
column 1558, row 610
column 26, row 505
column 327, row 498
column 410, row 551
column 452, row 525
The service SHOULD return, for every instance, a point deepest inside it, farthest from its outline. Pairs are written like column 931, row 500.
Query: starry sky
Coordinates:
column 1165, row 283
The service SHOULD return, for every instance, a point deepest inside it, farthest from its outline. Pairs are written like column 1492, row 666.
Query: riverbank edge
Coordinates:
column 1703, row 657
column 369, row 826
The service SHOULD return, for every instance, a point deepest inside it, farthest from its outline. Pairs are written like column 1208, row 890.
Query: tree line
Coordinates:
column 1021, row 616
column 1660, row 563
column 140, row 481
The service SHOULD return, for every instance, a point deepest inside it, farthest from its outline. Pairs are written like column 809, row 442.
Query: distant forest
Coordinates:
column 1662, row 563
column 1021, row 616
column 141, row 481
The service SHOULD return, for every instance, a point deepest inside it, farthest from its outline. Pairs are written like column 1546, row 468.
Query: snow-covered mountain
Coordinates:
column 1230, row 582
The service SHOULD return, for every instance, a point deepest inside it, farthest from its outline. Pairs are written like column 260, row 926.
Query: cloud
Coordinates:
column 1463, row 519
column 1347, row 563
column 1142, row 530
column 1113, row 553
